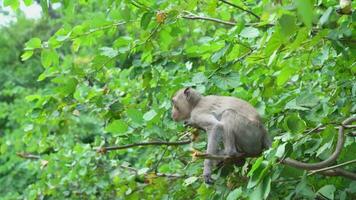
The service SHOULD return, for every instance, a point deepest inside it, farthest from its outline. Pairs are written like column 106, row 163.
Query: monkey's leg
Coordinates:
column 228, row 120
column 212, row 149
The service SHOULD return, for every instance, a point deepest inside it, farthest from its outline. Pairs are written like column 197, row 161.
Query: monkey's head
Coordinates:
column 183, row 103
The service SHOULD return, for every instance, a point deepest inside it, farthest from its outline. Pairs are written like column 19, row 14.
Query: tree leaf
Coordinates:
column 307, row 99
column 325, row 17
column 219, row 54
column 49, row 57
column 28, row 2
column 117, row 126
column 109, row 52
column 288, row 24
column 135, row 115
column 32, row 44
column 327, row 191
column 148, row 116
column 235, row 194
column 26, row 55
column 305, row 11
column 249, row 32
column 284, row 75
column 190, row 180
column 146, row 19
column 294, row 123
column 44, row 6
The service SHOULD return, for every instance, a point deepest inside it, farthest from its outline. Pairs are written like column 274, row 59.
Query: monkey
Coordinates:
column 237, row 121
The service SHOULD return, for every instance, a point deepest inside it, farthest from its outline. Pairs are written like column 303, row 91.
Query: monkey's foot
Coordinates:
column 234, row 154
column 207, row 179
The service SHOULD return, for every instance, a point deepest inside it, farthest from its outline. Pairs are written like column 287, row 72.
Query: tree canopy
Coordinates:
column 85, row 97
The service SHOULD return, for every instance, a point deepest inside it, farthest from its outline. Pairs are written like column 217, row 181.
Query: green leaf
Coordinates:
column 305, row 11
column 284, row 75
column 235, row 194
column 199, row 78
column 34, row 43
column 303, row 190
column 249, row 32
column 49, row 57
column 66, row 85
column 26, row 55
column 325, row 17
column 227, row 82
column 117, row 126
column 307, row 99
column 280, row 150
column 288, row 24
column 219, row 54
column 190, row 180
column 13, row 3
column 274, row 43
column 108, row 52
column 146, row 19
column 44, row 6
column 28, row 2
column 28, row 127
column 135, row 115
column 293, row 106
column 294, row 123
column 148, row 116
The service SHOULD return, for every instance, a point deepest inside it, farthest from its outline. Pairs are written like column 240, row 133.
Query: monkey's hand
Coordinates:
column 189, row 123
column 207, row 179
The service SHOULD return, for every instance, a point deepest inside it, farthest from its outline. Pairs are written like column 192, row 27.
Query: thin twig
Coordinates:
column 159, row 161
column 332, row 167
column 28, row 156
column 104, row 149
column 97, row 29
column 241, row 8
column 235, row 61
column 321, row 128
column 134, row 170
column 196, row 17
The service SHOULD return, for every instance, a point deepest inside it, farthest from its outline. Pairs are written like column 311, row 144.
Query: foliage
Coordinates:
column 108, row 71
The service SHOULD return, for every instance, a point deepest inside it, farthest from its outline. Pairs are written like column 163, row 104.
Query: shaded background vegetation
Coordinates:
column 91, row 73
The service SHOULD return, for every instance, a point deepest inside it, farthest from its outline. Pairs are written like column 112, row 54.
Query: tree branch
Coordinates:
column 314, row 166
column 241, row 8
column 340, row 172
column 105, row 149
column 321, row 128
column 195, row 17
column 28, row 156
column 155, row 174
column 332, row 167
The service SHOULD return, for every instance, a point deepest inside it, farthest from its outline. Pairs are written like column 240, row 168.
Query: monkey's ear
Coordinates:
column 187, row 91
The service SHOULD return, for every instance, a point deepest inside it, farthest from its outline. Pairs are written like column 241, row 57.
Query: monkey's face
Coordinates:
column 180, row 107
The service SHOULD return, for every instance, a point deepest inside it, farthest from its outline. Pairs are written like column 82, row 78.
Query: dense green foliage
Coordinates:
column 102, row 73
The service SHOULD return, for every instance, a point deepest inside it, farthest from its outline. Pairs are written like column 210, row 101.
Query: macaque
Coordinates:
column 234, row 119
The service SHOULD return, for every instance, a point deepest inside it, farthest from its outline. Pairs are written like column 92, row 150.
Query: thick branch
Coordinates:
column 340, row 172
column 241, row 8
column 314, row 166
column 104, row 149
